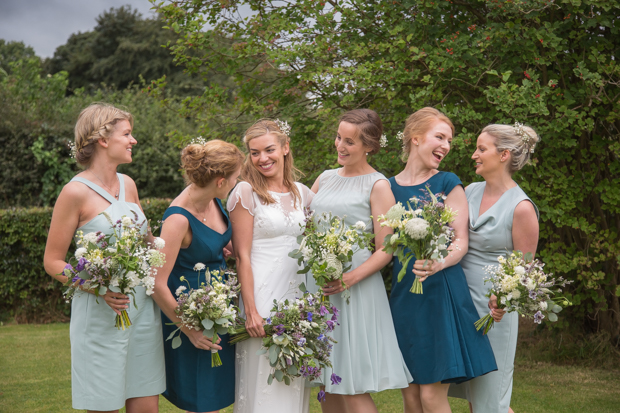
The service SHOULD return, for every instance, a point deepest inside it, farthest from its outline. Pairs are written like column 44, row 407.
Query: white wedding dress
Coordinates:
column 276, row 228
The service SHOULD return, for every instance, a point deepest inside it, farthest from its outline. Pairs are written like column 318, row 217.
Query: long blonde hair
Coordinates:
column 254, row 177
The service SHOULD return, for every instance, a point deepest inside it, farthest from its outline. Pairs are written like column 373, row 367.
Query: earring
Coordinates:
column 366, row 153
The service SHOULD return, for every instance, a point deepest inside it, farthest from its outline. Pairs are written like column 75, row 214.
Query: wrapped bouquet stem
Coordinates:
column 422, row 230
column 520, row 284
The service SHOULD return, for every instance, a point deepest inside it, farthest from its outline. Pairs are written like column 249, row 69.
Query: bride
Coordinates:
column 265, row 230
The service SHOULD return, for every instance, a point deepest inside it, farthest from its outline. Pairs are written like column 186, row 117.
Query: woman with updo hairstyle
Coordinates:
column 196, row 230
column 110, row 368
column 266, row 210
column 366, row 355
column 435, row 329
column 502, row 218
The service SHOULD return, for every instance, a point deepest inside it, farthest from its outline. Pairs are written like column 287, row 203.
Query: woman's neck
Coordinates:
column 359, row 168
column 498, row 183
column 415, row 173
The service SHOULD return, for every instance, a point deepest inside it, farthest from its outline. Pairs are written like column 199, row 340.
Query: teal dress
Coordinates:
column 366, row 355
column 435, row 330
column 490, row 235
column 109, row 366
column 191, row 383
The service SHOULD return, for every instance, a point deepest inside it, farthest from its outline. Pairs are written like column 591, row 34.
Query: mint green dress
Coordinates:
column 366, row 355
column 109, row 366
column 490, row 235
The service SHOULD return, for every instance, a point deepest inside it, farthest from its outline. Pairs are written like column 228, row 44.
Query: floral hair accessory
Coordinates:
column 525, row 137
column 383, row 142
column 198, row 141
column 285, row 128
column 400, row 135
column 72, row 149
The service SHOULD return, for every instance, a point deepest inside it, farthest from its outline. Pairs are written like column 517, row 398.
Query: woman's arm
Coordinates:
column 458, row 248
column 242, row 233
column 175, row 230
column 381, row 199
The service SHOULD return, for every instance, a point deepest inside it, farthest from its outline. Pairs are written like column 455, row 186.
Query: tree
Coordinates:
column 549, row 64
column 11, row 52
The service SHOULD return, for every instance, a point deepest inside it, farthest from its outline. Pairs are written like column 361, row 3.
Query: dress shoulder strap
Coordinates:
column 121, row 189
column 104, row 194
column 180, row 211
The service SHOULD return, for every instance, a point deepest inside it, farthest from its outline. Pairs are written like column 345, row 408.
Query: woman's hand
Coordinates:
column 426, row 268
column 254, row 324
column 116, row 301
column 200, row 341
column 335, row 287
column 496, row 312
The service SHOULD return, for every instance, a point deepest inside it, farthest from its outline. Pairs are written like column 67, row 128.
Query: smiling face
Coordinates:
column 434, row 146
column 120, row 142
column 350, row 148
column 488, row 159
column 268, row 155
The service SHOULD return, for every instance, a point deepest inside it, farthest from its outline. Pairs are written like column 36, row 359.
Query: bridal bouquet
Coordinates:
column 297, row 344
column 328, row 253
column 521, row 285
column 209, row 308
column 119, row 261
column 423, row 232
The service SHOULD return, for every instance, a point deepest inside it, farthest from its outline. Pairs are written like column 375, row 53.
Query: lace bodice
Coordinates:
column 282, row 217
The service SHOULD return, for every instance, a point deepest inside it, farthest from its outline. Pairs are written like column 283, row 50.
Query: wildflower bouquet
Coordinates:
column 209, row 308
column 423, row 232
column 297, row 344
column 521, row 285
column 328, row 253
column 119, row 261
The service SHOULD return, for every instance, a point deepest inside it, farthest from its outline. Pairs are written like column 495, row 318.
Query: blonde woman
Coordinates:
column 266, row 212
column 106, row 372
column 196, row 229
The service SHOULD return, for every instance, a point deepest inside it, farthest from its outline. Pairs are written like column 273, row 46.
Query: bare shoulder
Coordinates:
column 74, row 193
column 177, row 222
column 525, row 210
column 131, row 191
column 382, row 187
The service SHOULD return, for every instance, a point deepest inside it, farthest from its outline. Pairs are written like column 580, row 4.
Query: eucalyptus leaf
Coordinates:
column 261, row 351
column 270, row 379
column 176, row 342
column 207, row 324
column 279, row 375
column 553, row 317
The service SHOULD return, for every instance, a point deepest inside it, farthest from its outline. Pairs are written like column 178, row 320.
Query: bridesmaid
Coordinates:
column 267, row 211
column 435, row 330
column 196, row 229
column 366, row 355
column 499, row 221
column 110, row 368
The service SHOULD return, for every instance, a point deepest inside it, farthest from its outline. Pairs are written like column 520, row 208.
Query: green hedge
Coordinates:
column 27, row 293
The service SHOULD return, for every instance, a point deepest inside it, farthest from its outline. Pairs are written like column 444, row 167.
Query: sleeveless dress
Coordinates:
column 275, row 232
column 366, row 355
column 191, row 383
column 435, row 330
column 490, row 235
column 109, row 366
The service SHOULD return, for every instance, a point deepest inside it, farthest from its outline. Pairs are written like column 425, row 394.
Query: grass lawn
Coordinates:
column 35, row 376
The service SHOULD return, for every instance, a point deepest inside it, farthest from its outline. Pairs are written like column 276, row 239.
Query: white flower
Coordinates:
column 516, row 294
column 199, row 266
column 126, row 221
column 395, row 213
column 361, row 225
column 334, row 266
column 383, row 142
column 416, row 228
column 543, row 305
column 531, row 284
column 501, row 259
column 180, row 290
column 79, row 253
column 159, row 243
column 519, row 270
column 91, row 237
column 192, row 306
column 399, row 136
column 149, row 284
column 111, row 249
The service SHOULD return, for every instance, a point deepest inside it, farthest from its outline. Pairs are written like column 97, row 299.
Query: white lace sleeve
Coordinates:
column 243, row 192
column 306, row 195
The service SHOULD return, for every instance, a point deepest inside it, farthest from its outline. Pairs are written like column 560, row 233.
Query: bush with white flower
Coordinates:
column 422, row 231
column 122, row 260
column 520, row 284
column 326, row 247
column 209, row 309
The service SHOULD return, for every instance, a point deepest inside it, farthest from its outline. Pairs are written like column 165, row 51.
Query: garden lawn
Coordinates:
column 35, row 376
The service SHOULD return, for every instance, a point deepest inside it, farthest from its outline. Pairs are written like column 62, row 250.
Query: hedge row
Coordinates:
column 27, row 293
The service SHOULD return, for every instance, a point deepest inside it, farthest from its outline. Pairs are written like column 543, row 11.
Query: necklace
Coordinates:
column 279, row 190
column 189, row 193
column 102, row 183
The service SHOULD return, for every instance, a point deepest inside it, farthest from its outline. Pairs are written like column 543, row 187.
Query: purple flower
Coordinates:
column 310, row 300
column 280, row 329
column 330, row 325
column 322, row 337
column 533, row 295
column 335, row 379
column 323, row 310
column 301, row 342
column 289, row 361
column 321, row 396
column 268, row 321
column 538, row 317
column 68, row 267
column 335, row 310
column 81, row 263
column 309, row 316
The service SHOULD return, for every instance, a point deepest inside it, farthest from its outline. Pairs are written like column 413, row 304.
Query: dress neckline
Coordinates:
column 226, row 220
column 478, row 203
column 412, row 186
column 356, row 176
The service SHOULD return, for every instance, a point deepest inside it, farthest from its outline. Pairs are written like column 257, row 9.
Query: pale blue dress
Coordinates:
column 490, row 235
column 366, row 355
column 109, row 366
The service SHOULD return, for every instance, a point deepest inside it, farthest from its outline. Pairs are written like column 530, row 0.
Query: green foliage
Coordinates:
column 551, row 65
column 26, row 291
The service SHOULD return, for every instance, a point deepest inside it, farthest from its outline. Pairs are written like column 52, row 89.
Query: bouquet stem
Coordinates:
column 216, row 361
column 416, row 288
column 485, row 322
column 123, row 321
column 325, row 298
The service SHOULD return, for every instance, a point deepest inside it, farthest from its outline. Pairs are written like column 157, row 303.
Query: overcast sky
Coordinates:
column 47, row 24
